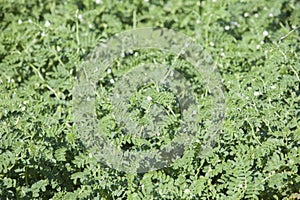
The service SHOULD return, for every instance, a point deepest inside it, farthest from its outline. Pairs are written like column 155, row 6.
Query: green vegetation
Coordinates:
column 256, row 46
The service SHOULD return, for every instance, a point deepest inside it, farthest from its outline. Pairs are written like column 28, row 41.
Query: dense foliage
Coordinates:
column 256, row 46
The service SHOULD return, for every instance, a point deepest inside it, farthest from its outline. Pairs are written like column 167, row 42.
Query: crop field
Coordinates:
column 149, row 99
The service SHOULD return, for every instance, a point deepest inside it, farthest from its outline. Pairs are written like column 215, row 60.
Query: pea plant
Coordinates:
column 255, row 48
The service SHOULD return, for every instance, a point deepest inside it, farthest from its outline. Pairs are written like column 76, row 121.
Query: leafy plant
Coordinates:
column 255, row 45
